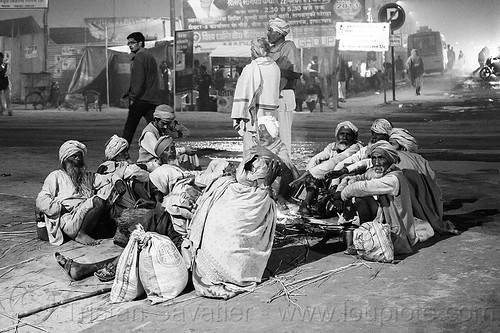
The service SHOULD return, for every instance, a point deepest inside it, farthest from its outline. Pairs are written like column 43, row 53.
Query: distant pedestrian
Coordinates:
column 5, row 88
column 399, row 68
column 461, row 62
column 451, row 58
column 481, row 59
column 144, row 91
column 313, row 67
column 415, row 67
column 344, row 75
column 203, row 81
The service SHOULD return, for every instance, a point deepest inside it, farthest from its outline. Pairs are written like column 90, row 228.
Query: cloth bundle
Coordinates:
column 373, row 242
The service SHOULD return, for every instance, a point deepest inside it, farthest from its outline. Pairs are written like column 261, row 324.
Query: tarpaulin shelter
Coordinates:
column 90, row 73
column 227, row 62
column 22, row 42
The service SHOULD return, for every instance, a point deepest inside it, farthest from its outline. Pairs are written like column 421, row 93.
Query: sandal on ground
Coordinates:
column 107, row 273
column 351, row 251
column 66, row 267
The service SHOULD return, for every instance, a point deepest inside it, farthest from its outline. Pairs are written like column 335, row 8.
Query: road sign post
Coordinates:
column 395, row 15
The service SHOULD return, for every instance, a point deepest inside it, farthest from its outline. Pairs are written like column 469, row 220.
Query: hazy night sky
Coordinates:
column 467, row 24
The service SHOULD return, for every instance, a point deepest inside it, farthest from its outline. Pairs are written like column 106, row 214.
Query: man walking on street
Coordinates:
column 144, row 92
column 5, row 90
column 285, row 54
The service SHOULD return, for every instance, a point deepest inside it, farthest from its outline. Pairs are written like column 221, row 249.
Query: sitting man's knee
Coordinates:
column 99, row 202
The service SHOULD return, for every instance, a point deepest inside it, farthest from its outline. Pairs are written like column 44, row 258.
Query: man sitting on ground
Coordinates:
column 130, row 180
column 382, row 191
column 426, row 196
column 168, row 173
column 177, row 194
column 67, row 200
column 163, row 124
column 268, row 138
column 380, row 130
column 346, row 144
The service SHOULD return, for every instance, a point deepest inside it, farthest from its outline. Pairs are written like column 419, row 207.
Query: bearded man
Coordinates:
column 67, row 200
column 380, row 130
column 346, row 144
column 382, row 191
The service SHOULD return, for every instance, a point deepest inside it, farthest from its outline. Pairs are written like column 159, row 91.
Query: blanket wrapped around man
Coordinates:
column 232, row 232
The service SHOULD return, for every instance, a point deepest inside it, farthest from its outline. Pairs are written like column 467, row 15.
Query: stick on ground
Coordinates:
column 62, row 302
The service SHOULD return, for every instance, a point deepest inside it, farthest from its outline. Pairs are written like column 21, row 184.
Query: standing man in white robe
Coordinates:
column 256, row 93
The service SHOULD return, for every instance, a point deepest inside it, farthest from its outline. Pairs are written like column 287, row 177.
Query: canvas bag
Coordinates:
column 162, row 270
column 373, row 242
column 127, row 285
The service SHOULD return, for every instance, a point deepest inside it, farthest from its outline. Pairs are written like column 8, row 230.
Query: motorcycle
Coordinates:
column 492, row 67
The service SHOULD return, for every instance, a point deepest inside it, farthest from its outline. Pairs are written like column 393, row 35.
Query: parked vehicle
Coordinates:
column 492, row 67
column 431, row 46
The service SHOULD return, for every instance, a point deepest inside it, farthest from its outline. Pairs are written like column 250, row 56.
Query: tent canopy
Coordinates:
column 231, row 51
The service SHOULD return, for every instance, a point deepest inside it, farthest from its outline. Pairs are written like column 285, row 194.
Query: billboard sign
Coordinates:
column 183, row 61
column 355, row 36
column 237, row 22
column 24, row 4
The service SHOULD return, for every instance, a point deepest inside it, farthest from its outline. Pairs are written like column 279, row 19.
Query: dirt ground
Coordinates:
column 449, row 283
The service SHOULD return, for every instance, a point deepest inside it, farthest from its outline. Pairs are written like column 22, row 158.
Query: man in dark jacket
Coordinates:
column 144, row 92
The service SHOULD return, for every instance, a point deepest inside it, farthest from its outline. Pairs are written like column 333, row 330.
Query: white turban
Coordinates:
column 164, row 112
column 404, row 139
column 347, row 124
column 386, row 149
column 114, row 146
column 381, row 126
column 280, row 26
column 162, row 144
column 69, row 148
column 271, row 124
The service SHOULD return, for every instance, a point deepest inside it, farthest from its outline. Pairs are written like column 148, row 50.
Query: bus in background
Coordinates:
column 431, row 46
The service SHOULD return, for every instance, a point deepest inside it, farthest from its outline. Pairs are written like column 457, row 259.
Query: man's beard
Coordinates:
column 76, row 172
column 342, row 145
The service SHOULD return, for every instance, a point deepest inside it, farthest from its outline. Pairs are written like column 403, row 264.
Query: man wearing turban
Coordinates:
column 381, row 192
column 425, row 193
column 269, row 139
column 285, row 54
column 164, row 124
column 257, row 92
column 380, row 130
column 346, row 144
column 121, row 182
column 403, row 140
column 67, row 201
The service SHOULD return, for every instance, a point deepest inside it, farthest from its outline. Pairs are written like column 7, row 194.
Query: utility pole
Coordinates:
column 45, row 35
column 172, row 18
column 172, row 34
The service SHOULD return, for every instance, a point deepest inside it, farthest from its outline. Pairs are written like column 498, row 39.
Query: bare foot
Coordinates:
column 66, row 265
column 86, row 239
column 73, row 269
